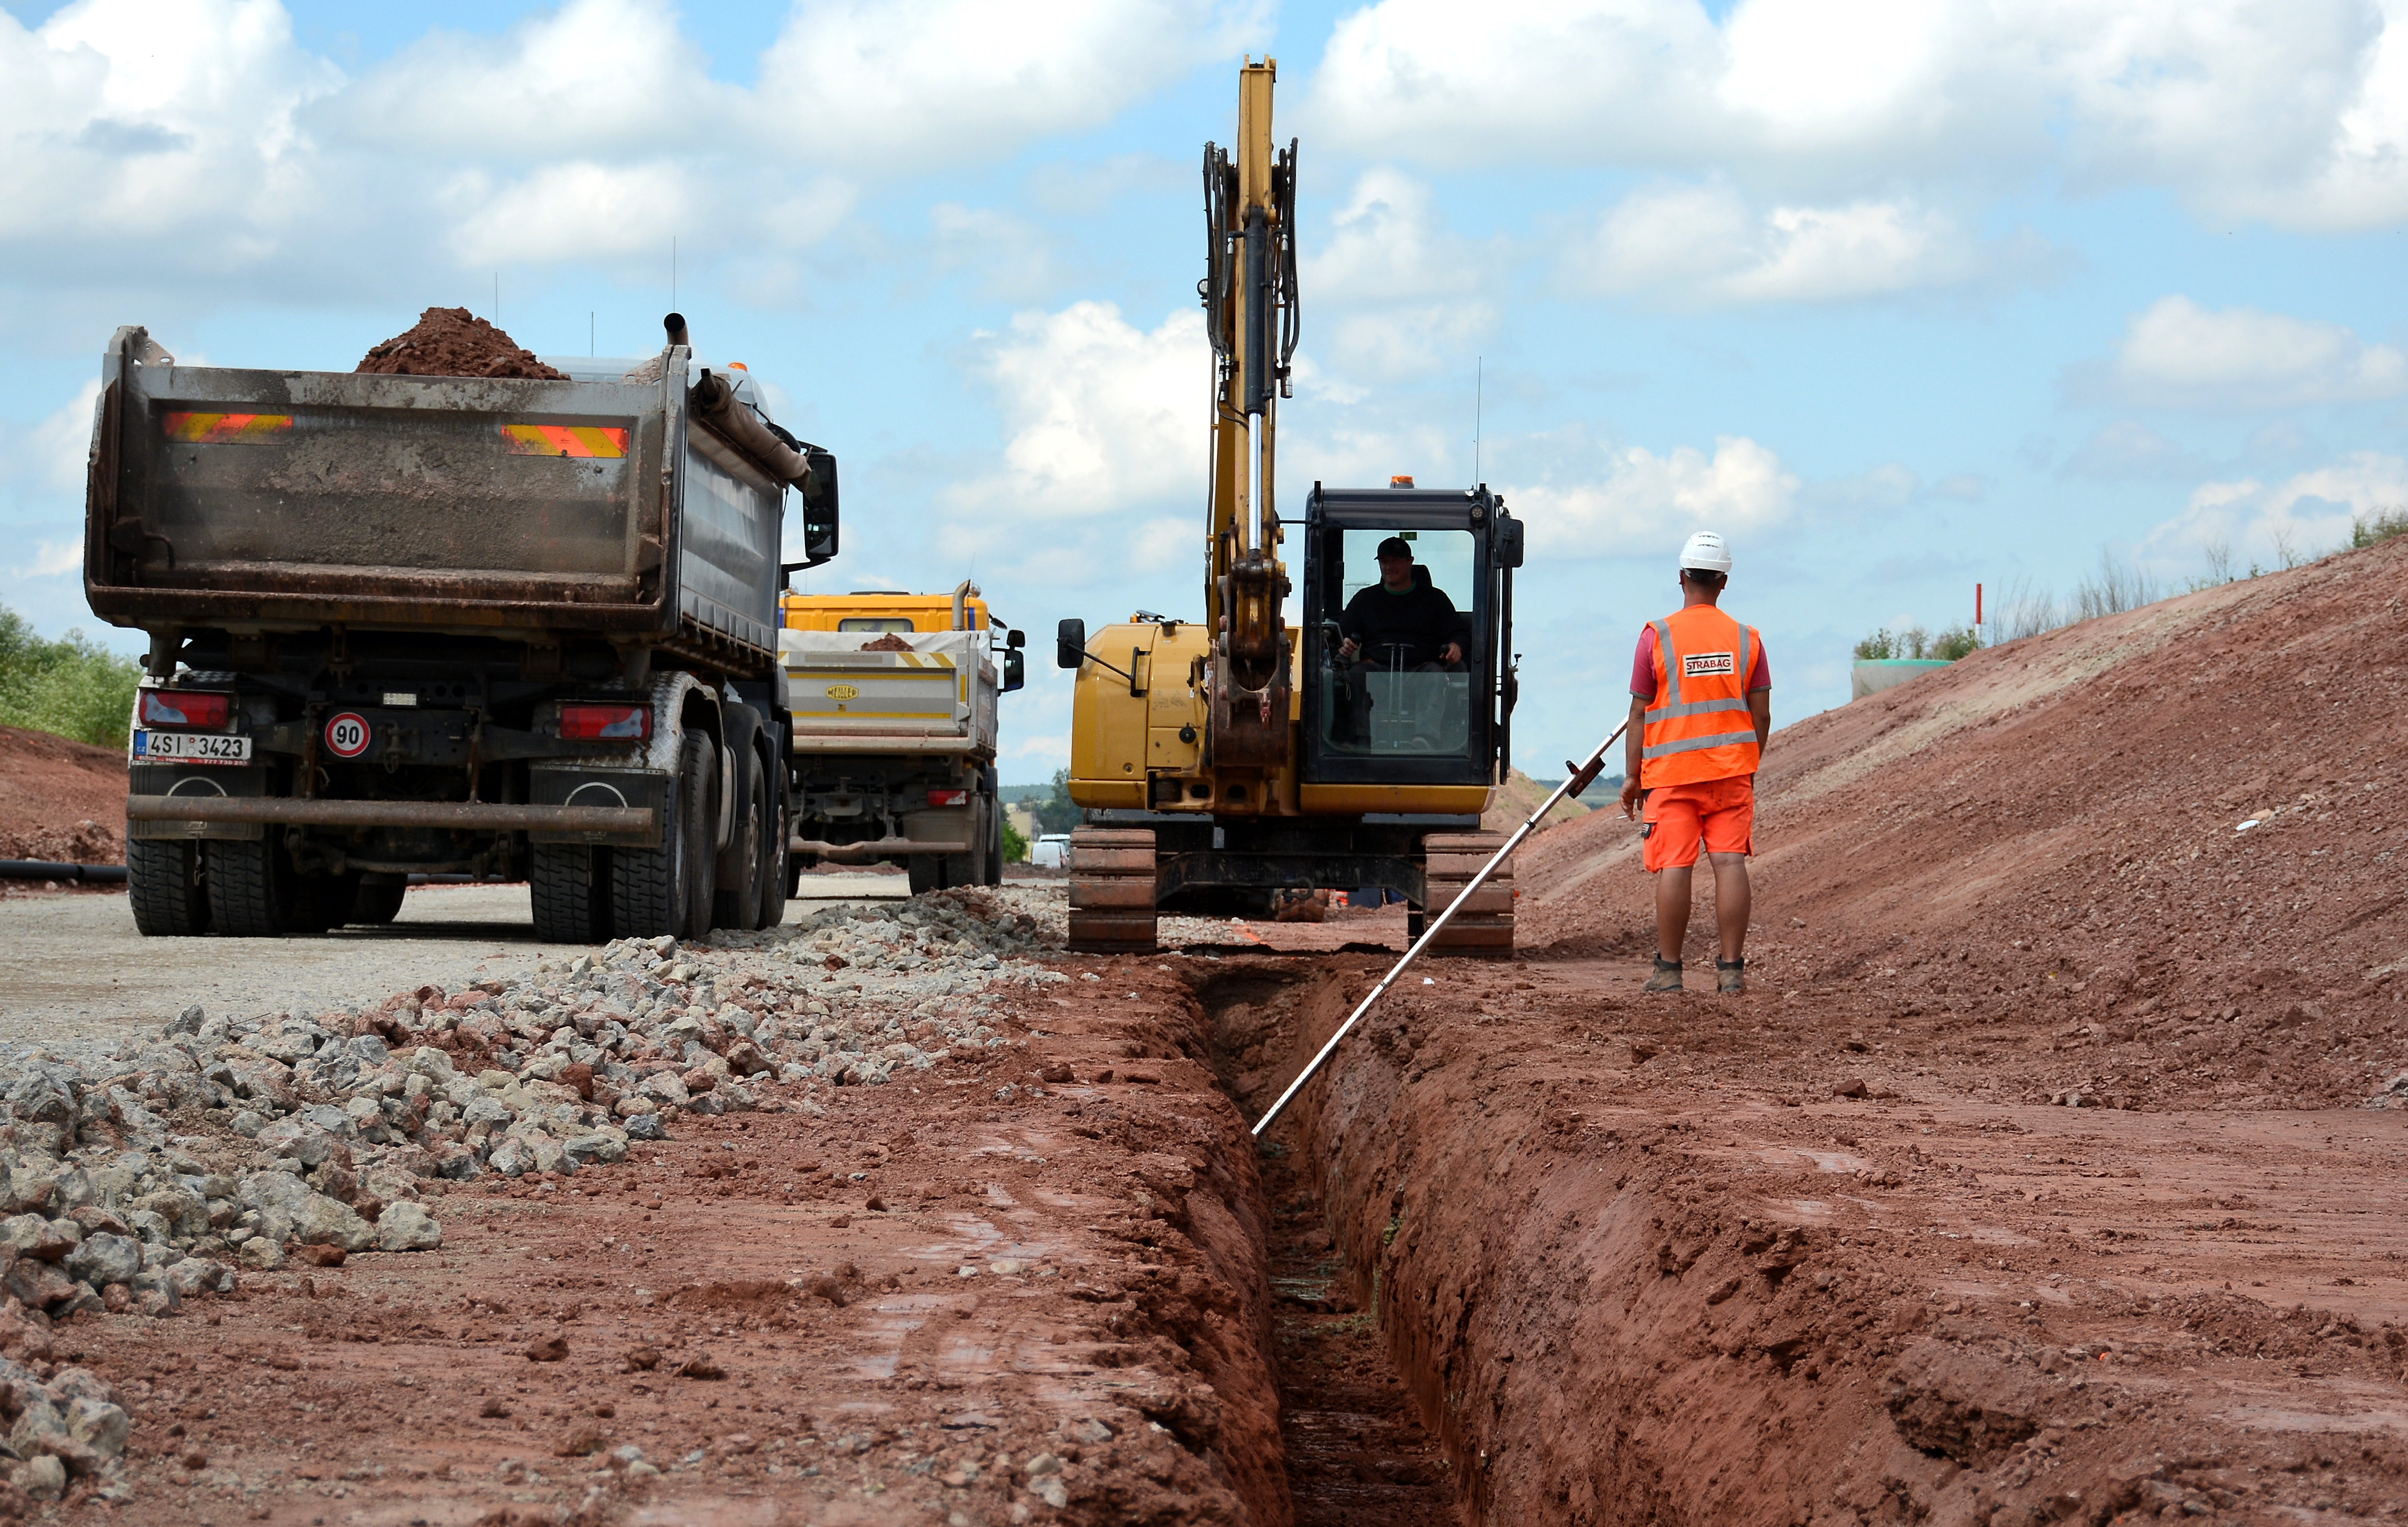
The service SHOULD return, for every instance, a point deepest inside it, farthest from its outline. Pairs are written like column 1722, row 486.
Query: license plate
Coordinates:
column 191, row 748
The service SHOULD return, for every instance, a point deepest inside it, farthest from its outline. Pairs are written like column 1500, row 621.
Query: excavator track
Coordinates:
column 1112, row 890
column 1484, row 926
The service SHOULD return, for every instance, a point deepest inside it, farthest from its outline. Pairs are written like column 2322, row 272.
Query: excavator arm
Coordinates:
column 1251, row 313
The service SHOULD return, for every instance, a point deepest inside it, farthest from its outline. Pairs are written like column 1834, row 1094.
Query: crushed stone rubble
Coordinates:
column 137, row 1180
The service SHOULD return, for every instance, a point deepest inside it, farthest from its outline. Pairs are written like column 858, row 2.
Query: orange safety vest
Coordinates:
column 1697, row 726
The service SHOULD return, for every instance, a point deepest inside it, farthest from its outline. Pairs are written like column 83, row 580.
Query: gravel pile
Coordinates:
column 352, row 1115
column 136, row 1180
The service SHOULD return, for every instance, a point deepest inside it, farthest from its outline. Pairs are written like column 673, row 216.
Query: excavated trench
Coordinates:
column 1357, row 1452
column 1488, row 1309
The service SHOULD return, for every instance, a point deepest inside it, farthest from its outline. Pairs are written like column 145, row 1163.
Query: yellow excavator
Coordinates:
column 1223, row 761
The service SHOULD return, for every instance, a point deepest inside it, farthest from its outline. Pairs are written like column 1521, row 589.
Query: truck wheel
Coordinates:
column 994, row 843
column 651, row 888
column 321, row 902
column 251, row 887
column 379, row 902
column 163, row 880
column 775, row 876
column 927, row 871
column 740, row 906
column 701, row 769
column 569, row 885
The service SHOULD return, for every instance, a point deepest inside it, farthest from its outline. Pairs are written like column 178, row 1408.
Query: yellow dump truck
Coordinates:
column 893, row 699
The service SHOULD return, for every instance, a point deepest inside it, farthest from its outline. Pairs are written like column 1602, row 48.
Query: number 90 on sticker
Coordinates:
column 347, row 734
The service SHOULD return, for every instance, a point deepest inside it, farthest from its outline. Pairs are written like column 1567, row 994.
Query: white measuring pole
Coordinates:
column 1579, row 779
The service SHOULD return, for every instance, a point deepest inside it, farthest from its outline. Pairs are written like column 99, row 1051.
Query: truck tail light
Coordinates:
column 949, row 797
column 185, row 707
column 606, row 723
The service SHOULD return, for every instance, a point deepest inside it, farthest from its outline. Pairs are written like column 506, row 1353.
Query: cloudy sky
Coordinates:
column 1897, row 296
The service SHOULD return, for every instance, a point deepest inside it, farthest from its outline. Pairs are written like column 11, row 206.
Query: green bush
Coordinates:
column 1015, row 848
column 2381, row 525
column 70, row 687
column 1914, row 642
column 1953, row 643
column 1058, row 813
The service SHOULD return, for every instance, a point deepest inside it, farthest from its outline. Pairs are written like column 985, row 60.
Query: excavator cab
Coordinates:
column 1395, row 708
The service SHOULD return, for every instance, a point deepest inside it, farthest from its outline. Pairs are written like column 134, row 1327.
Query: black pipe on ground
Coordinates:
column 43, row 869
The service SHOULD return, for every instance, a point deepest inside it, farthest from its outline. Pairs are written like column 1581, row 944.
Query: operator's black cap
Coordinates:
column 1396, row 545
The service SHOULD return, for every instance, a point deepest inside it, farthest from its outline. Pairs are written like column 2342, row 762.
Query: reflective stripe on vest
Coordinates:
column 1679, row 745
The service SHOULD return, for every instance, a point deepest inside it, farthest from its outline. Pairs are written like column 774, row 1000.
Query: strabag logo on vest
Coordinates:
column 1705, row 664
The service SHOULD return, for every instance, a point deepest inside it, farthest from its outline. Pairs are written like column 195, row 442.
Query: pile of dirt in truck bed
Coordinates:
column 60, row 800
column 454, row 342
column 2158, row 848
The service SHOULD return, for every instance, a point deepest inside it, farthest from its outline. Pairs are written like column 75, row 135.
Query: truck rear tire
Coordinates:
column 251, row 887
column 569, row 885
column 926, row 872
column 163, row 880
column 775, row 876
column 653, row 890
column 321, row 902
column 701, row 769
column 378, row 903
column 993, row 842
column 740, row 906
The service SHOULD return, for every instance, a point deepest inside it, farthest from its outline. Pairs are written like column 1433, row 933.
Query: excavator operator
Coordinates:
column 1404, row 622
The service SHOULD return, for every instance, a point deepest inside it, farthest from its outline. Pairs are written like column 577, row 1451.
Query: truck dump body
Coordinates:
column 938, row 697
column 295, row 499
column 491, row 625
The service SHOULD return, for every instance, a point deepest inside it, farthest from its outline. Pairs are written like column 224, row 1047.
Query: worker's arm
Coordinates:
column 1759, row 710
column 1630, row 747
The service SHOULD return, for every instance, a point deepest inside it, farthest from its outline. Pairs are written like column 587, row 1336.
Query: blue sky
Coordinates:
column 1897, row 296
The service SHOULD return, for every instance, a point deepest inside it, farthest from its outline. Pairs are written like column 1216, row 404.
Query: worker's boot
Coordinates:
column 1730, row 976
column 1666, row 977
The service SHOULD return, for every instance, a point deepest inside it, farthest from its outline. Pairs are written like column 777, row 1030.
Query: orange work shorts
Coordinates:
column 1719, row 812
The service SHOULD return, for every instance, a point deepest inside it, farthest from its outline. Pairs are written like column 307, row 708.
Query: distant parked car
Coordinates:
column 1050, row 851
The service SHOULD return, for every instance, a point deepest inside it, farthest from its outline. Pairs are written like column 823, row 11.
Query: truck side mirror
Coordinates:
column 1015, row 638
column 1015, row 669
column 1070, row 644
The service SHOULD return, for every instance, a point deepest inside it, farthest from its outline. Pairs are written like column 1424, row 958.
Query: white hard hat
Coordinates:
column 1706, row 552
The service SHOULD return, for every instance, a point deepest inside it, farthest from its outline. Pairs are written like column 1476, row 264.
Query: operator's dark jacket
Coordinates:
column 1421, row 618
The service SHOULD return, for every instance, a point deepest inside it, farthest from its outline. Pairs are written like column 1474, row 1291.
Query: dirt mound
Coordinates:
column 888, row 643
column 60, row 800
column 2160, row 843
column 1520, row 796
column 454, row 342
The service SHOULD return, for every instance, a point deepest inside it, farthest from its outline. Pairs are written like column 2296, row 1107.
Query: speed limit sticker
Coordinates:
column 347, row 734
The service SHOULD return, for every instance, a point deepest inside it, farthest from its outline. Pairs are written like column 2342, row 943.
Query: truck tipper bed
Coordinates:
column 404, row 624
column 895, row 727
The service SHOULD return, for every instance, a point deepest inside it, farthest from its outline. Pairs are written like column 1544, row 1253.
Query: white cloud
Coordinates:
column 2123, row 448
column 1638, row 502
column 580, row 211
column 2301, row 516
column 2180, row 355
column 591, row 77
column 916, row 82
column 1705, row 246
column 125, row 121
column 1102, row 415
column 61, row 444
column 2297, row 112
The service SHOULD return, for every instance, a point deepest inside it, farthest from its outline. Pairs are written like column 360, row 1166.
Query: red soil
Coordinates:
column 454, row 342
column 60, row 800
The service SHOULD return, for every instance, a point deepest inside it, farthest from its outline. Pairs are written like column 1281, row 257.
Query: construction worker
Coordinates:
column 1701, row 711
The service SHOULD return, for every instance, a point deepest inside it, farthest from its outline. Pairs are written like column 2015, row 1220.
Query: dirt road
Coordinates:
column 78, row 971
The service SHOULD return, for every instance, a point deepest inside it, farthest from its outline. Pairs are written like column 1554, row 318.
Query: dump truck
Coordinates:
column 894, row 723
column 408, row 624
